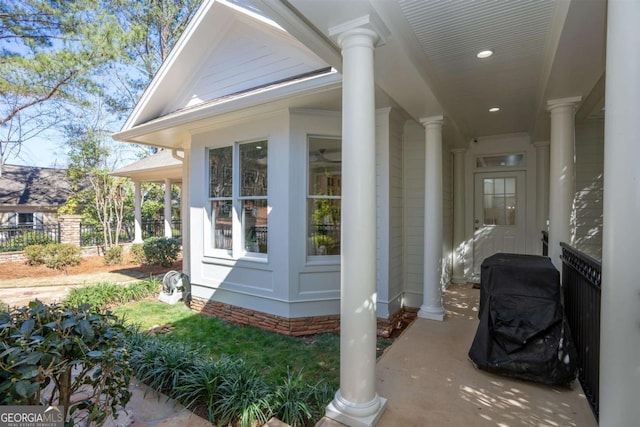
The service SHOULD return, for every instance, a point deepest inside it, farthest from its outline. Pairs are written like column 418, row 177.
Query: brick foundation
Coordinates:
column 296, row 326
column 398, row 321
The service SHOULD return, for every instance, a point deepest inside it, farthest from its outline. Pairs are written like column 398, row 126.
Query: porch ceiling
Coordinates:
column 543, row 49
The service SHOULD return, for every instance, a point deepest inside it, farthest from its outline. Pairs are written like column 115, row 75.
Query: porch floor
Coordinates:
column 429, row 381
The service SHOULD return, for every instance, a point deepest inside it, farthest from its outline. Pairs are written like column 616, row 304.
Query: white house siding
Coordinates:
column 587, row 203
column 256, row 284
column 389, row 131
column 447, row 212
column 413, row 213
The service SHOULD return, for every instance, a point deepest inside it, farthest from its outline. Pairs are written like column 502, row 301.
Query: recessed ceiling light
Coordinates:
column 494, row 109
column 484, row 53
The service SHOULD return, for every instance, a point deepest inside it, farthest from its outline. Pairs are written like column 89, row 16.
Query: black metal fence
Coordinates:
column 18, row 237
column 156, row 229
column 92, row 235
column 545, row 243
column 581, row 282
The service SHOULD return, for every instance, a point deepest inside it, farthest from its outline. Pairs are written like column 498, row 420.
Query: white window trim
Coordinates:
column 317, row 259
column 237, row 251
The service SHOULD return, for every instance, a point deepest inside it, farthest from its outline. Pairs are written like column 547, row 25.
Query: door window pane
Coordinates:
column 499, row 201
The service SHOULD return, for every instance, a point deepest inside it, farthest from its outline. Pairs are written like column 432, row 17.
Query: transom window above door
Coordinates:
column 500, row 161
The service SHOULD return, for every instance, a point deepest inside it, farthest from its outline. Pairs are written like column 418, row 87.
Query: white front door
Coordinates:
column 499, row 215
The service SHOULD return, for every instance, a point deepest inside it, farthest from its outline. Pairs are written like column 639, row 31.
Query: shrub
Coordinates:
column 200, row 385
column 137, row 253
column 292, row 400
column 161, row 250
column 35, row 254
column 61, row 255
column 113, row 255
column 105, row 293
column 244, row 397
column 44, row 344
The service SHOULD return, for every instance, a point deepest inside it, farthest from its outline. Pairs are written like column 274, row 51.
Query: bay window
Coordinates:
column 324, row 196
column 238, row 184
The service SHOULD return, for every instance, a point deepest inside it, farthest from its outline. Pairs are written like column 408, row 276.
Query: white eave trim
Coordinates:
column 304, row 86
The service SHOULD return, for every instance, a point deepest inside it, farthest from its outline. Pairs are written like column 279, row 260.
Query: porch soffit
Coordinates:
column 543, row 49
column 154, row 168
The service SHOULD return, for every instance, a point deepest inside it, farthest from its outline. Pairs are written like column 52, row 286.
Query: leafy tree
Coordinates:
column 50, row 51
column 100, row 197
column 151, row 29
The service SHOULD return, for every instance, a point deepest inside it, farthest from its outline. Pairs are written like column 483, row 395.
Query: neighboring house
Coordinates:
column 31, row 196
column 346, row 160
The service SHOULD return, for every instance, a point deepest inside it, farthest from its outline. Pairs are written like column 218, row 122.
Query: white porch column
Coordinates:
column 458, row 216
column 167, row 208
column 356, row 403
column 432, row 295
column 185, row 211
column 561, row 174
column 620, row 309
column 542, row 186
column 137, row 213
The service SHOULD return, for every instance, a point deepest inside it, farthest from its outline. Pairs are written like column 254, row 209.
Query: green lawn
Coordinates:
column 271, row 354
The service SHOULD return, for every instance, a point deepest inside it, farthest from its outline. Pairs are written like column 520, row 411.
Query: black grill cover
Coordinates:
column 523, row 332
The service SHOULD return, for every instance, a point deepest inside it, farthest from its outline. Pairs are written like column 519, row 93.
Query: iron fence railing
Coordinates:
column 92, row 234
column 156, row 229
column 545, row 243
column 581, row 283
column 16, row 238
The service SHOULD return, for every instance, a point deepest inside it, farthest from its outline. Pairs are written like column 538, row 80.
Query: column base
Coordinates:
column 431, row 313
column 356, row 415
column 138, row 241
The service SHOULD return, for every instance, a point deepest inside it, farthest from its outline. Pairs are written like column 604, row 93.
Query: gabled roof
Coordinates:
column 155, row 167
column 33, row 186
column 225, row 50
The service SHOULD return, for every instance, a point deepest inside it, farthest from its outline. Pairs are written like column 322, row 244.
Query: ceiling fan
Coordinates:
column 319, row 157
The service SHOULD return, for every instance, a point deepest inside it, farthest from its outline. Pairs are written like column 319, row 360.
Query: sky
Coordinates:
column 41, row 152
column 49, row 153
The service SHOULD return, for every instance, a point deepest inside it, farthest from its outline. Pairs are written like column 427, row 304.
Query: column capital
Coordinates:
column 552, row 104
column 368, row 26
column 433, row 120
column 458, row 150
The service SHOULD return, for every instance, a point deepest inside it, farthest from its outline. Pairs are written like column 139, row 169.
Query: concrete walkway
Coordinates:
column 429, row 381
